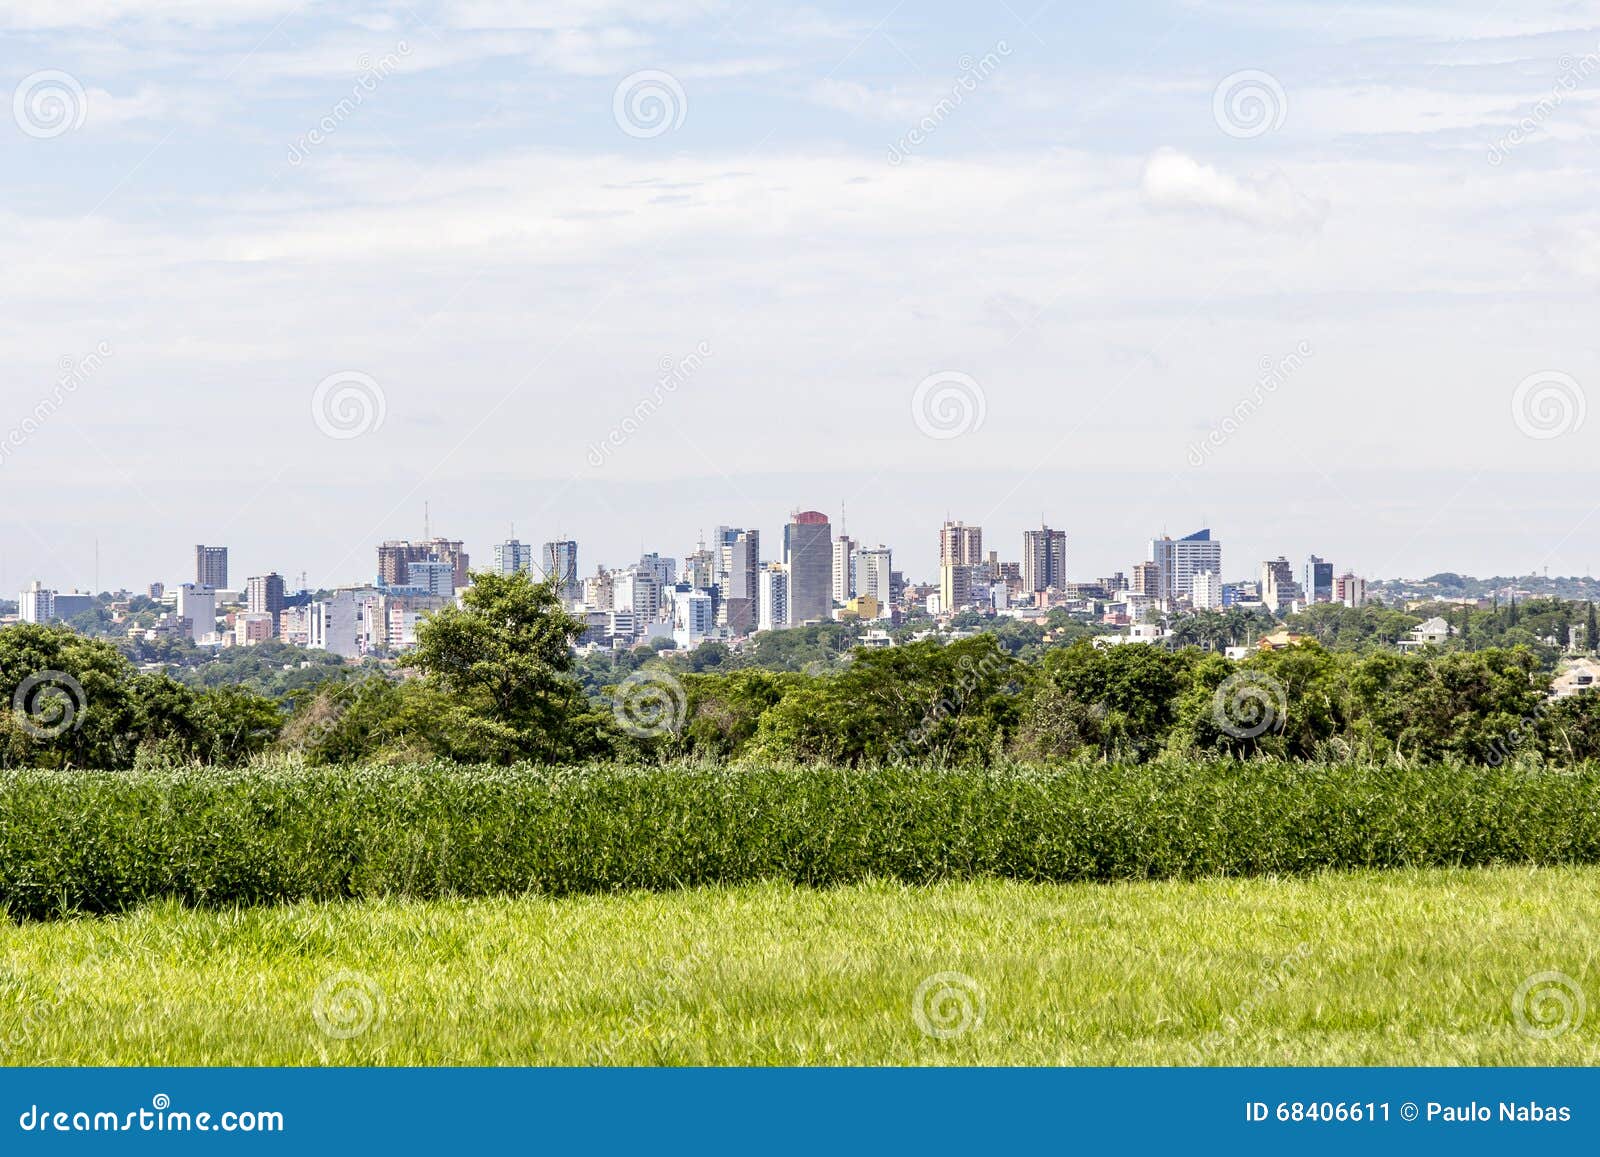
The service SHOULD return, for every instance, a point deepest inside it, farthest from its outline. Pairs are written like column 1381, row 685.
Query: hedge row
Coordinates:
column 102, row 842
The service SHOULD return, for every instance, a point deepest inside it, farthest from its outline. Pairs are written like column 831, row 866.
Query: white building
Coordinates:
column 335, row 624
column 1351, row 590
column 772, row 597
column 694, row 618
column 845, row 551
column 198, row 604
column 1206, row 591
column 1179, row 560
column 512, row 556
column 637, row 591
column 874, row 575
column 36, row 604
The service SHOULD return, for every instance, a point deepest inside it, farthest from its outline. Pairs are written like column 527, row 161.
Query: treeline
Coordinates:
column 495, row 682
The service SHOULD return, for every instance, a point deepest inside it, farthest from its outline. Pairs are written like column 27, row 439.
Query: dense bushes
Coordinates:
column 101, row 842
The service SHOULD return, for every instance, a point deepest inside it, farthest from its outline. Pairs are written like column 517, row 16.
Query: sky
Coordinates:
column 1320, row 276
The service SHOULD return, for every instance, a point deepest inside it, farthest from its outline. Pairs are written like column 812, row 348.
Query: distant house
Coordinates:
column 1278, row 640
column 1435, row 631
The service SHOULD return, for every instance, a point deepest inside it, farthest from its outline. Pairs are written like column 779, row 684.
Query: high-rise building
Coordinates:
column 36, row 604
column 264, row 595
column 560, row 559
column 700, row 568
column 1181, row 559
column 197, row 603
column 396, row 556
column 692, row 617
column 960, row 561
column 1318, row 580
column 1278, row 587
column 1206, row 592
column 666, row 569
column 772, row 598
column 334, row 624
column 1350, row 589
column 738, row 565
column 434, row 576
column 211, row 567
column 845, row 560
column 875, row 577
column 1044, row 560
column 635, row 590
column 597, row 590
column 808, row 551
column 512, row 556
column 1146, row 580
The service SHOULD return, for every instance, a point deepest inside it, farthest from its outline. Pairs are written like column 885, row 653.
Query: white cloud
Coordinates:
column 1173, row 180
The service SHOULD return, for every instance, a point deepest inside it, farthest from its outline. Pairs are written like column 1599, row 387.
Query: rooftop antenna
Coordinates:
column 96, row 566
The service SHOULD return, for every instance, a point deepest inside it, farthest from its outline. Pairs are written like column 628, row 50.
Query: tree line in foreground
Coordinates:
column 493, row 681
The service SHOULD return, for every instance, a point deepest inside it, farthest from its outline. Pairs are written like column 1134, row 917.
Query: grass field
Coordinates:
column 1366, row 968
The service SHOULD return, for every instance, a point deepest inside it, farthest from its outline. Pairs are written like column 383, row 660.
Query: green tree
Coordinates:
column 504, row 658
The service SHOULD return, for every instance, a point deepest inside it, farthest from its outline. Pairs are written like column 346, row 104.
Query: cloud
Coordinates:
column 1174, row 180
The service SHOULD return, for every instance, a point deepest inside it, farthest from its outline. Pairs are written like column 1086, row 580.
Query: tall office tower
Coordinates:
column 1181, row 559
column 264, row 595
column 875, row 577
column 1044, row 559
column 1206, row 594
column 1350, row 589
column 597, row 590
column 738, row 567
column 197, row 602
column 666, row 569
column 635, row 590
column 1318, row 580
column 36, row 604
column 1146, row 580
column 394, row 557
column 1278, row 588
column 808, row 550
column 700, row 568
column 845, row 560
column 960, row 556
column 560, row 559
column 211, row 567
column 512, row 556
column 437, row 576
column 452, row 551
column 397, row 554
column 772, row 598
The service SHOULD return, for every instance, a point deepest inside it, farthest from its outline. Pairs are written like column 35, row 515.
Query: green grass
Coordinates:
column 1394, row 967
column 106, row 842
